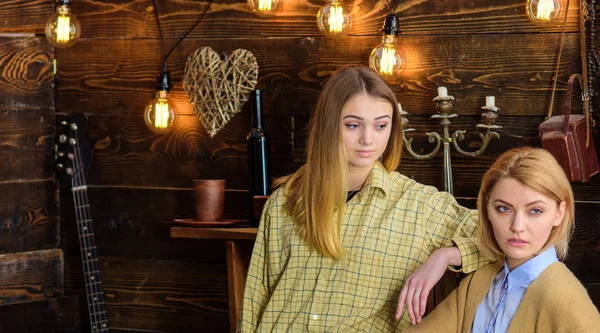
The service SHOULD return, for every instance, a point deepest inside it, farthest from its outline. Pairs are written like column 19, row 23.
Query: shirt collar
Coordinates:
column 379, row 178
column 528, row 271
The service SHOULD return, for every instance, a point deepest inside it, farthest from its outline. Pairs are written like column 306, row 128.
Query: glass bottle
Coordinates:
column 258, row 154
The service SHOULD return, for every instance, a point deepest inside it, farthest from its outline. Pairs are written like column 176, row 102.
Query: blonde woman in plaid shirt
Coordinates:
column 326, row 260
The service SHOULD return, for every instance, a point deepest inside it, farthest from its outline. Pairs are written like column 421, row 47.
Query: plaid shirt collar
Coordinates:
column 378, row 178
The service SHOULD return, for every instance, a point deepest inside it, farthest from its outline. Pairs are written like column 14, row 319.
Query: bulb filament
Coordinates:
column 161, row 113
column 336, row 18
column 545, row 9
column 388, row 60
column 265, row 5
column 63, row 29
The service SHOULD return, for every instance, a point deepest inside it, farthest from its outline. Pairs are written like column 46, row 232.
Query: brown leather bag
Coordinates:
column 568, row 139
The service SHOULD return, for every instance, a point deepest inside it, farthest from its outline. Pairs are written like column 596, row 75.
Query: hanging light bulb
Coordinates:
column 62, row 28
column 544, row 11
column 333, row 19
column 159, row 114
column 264, row 7
column 386, row 58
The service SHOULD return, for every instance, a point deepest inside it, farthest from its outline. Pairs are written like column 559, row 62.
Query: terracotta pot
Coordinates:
column 210, row 199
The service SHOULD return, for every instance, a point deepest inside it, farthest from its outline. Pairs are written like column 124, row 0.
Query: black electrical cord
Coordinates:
column 167, row 54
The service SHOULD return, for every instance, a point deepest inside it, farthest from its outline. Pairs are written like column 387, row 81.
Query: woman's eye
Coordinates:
column 536, row 211
column 502, row 209
column 381, row 127
column 351, row 126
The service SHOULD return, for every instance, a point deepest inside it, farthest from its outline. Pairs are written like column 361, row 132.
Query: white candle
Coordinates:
column 490, row 101
column 442, row 92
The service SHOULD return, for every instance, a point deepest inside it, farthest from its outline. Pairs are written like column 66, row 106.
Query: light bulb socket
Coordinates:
column 391, row 25
column 163, row 81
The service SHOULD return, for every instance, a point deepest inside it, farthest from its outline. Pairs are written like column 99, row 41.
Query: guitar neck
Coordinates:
column 89, row 260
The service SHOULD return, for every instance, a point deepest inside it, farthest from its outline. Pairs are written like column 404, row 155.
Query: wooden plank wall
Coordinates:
column 31, row 263
column 140, row 181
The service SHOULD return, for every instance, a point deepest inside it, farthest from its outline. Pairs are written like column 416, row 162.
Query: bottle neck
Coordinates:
column 256, row 109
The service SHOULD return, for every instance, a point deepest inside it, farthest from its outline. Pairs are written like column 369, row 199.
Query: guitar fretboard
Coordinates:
column 89, row 257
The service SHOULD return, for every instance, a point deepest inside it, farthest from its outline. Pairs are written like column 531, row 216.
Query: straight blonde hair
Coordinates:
column 537, row 169
column 316, row 193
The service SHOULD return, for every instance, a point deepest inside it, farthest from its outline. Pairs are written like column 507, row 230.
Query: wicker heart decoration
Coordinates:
column 218, row 88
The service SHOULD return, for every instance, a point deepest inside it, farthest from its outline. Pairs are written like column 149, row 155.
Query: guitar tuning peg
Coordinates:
column 69, row 171
column 71, row 156
column 73, row 126
column 60, row 167
column 62, row 138
column 72, row 142
column 60, row 153
column 64, row 123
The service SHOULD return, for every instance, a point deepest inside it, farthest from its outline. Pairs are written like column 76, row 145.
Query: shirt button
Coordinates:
column 315, row 317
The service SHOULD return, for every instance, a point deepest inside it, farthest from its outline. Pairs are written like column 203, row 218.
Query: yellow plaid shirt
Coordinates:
column 389, row 228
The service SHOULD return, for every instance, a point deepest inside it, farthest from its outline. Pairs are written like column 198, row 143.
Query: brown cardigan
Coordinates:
column 554, row 302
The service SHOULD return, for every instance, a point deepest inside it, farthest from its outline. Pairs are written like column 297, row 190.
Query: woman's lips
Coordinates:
column 364, row 153
column 517, row 242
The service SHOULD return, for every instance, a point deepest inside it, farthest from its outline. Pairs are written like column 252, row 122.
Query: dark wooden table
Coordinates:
column 238, row 246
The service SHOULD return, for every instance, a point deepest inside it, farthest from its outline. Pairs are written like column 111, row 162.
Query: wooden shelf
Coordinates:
column 214, row 233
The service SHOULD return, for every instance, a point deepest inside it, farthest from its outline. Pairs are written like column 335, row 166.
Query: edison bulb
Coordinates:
column 333, row 19
column 264, row 7
column 387, row 58
column 62, row 28
column 544, row 11
column 159, row 114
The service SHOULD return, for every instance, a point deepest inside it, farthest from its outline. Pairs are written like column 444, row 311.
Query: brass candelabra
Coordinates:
column 444, row 112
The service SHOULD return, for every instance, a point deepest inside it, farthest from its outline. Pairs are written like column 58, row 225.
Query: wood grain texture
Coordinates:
column 158, row 295
column 25, row 16
column 28, row 216
column 127, row 153
column 54, row 315
column 26, row 144
column 30, row 276
column 136, row 223
column 135, row 18
column 517, row 69
column 26, row 79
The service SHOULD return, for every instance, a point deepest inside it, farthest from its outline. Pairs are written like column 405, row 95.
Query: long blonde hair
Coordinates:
column 316, row 193
column 537, row 169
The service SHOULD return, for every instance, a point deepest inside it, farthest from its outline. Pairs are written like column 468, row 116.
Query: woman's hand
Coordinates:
column 419, row 284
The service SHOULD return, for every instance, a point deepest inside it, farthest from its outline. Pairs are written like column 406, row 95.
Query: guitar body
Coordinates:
column 74, row 160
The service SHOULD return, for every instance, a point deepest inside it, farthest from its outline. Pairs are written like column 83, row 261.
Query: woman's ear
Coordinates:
column 560, row 213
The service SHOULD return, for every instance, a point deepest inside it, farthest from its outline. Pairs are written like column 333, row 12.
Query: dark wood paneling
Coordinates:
column 26, row 143
column 136, row 223
column 584, row 248
column 135, row 19
column 159, row 296
column 26, row 73
column 593, row 290
column 517, row 69
column 55, row 315
column 28, row 216
column 25, row 16
column 29, row 276
column 126, row 152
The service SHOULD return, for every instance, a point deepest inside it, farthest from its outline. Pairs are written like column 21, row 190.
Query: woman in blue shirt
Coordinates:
column 526, row 214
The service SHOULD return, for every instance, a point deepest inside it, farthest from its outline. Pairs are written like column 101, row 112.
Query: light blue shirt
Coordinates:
column 498, row 308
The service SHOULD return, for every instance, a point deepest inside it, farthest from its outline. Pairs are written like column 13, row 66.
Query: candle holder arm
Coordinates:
column 459, row 135
column 434, row 137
